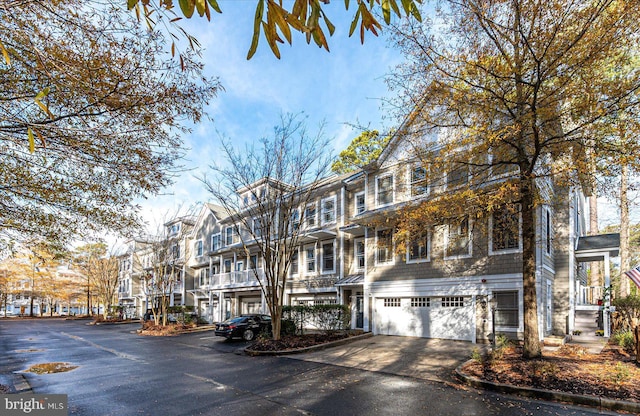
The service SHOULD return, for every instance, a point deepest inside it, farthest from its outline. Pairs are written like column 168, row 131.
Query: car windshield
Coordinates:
column 237, row 320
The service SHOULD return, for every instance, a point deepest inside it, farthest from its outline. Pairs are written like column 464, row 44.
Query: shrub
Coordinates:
column 327, row 318
column 625, row 340
column 627, row 310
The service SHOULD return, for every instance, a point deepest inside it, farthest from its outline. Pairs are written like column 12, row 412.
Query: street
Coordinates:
column 122, row 373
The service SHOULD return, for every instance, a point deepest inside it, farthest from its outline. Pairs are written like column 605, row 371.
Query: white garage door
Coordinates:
column 449, row 317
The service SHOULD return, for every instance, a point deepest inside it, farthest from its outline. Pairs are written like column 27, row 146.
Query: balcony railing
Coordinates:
column 591, row 295
column 237, row 278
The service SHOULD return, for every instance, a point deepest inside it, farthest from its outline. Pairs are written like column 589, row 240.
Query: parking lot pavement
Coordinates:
column 422, row 358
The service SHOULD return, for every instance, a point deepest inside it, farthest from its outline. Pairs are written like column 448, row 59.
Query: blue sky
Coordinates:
column 343, row 86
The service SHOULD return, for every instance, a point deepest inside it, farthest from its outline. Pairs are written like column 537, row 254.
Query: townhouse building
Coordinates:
column 458, row 280
column 155, row 266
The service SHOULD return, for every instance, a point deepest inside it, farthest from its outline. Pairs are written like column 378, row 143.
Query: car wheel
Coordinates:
column 247, row 335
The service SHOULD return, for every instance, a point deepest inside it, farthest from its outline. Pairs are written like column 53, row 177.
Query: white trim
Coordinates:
column 470, row 242
column 335, row 210
column 306, row 260
column 419, row 260
column 356, row 267
column 219, row 235
column 393, row 189
column 392, row 258
column 305, row 221
column 493, row 252
column 547, row 228
column 291, row 273
column 355, row 202
column 410, row 181
column 201, row 249
column 333, row 245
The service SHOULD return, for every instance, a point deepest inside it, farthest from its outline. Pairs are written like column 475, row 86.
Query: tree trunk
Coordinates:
column 531, row 347
column 625, row 263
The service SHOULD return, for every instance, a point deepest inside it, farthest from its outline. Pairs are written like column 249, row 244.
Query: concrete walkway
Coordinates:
column 422, row 358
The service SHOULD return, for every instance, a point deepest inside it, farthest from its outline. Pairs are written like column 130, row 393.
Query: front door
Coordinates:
column 359, row 311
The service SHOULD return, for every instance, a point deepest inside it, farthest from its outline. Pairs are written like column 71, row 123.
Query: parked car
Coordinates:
column 244, row 326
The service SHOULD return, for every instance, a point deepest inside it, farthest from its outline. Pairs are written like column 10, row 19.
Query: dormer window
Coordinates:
column 174, row 229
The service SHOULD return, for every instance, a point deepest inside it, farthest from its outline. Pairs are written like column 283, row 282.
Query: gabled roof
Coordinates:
column 218, row 212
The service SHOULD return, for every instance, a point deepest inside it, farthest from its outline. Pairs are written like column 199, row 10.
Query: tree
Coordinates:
column 101, row 270
column 92, row 117
column 518, row 81
column 288, row 167
column 361, row 151
column 276, row 21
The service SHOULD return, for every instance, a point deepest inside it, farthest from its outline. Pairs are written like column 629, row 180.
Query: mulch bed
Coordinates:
column 613, row 373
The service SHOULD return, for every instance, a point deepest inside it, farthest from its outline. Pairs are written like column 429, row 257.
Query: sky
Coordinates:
column 342, row 87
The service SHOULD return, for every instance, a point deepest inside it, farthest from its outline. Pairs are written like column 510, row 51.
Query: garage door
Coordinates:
column 449, row 317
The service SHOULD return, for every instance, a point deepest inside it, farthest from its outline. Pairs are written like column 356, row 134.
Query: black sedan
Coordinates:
column 244, row 326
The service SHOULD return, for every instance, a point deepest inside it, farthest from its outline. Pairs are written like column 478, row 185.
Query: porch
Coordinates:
column 591, row 311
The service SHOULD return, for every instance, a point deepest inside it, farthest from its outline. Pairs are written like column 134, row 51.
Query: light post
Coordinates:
column 33, row 283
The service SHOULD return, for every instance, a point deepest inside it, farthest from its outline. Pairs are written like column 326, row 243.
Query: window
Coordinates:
column 310, row 254
column 420, row 302
column 418, row 249
column 458, row 176
column 329, row 210
column 452, row 302
column 506, row 312
column 310, row 216
column 294, row 261
column 227, row 266
column 505, row 230
column 175, row 251
column 359, row 253
column 199, row 248
column 384, row 190
column 215, row 242
column 295, row 220
column 174, row 229
column 360, row 203
column 253, row 261
column 500, row 166
column 204, row 276
column 391, row 302
column 458, row 239
column 418, row 181
column 547, row 231
column 328, row 255
column 258, row 227
column 229, row 236
column 384, row 244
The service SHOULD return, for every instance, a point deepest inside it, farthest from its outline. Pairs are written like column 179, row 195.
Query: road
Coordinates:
column 122, row 373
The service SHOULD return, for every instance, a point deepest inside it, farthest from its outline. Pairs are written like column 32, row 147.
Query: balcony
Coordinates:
column 237, row 279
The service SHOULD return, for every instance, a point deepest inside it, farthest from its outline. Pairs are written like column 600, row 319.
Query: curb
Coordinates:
column 308, row 349
column 602, row 403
